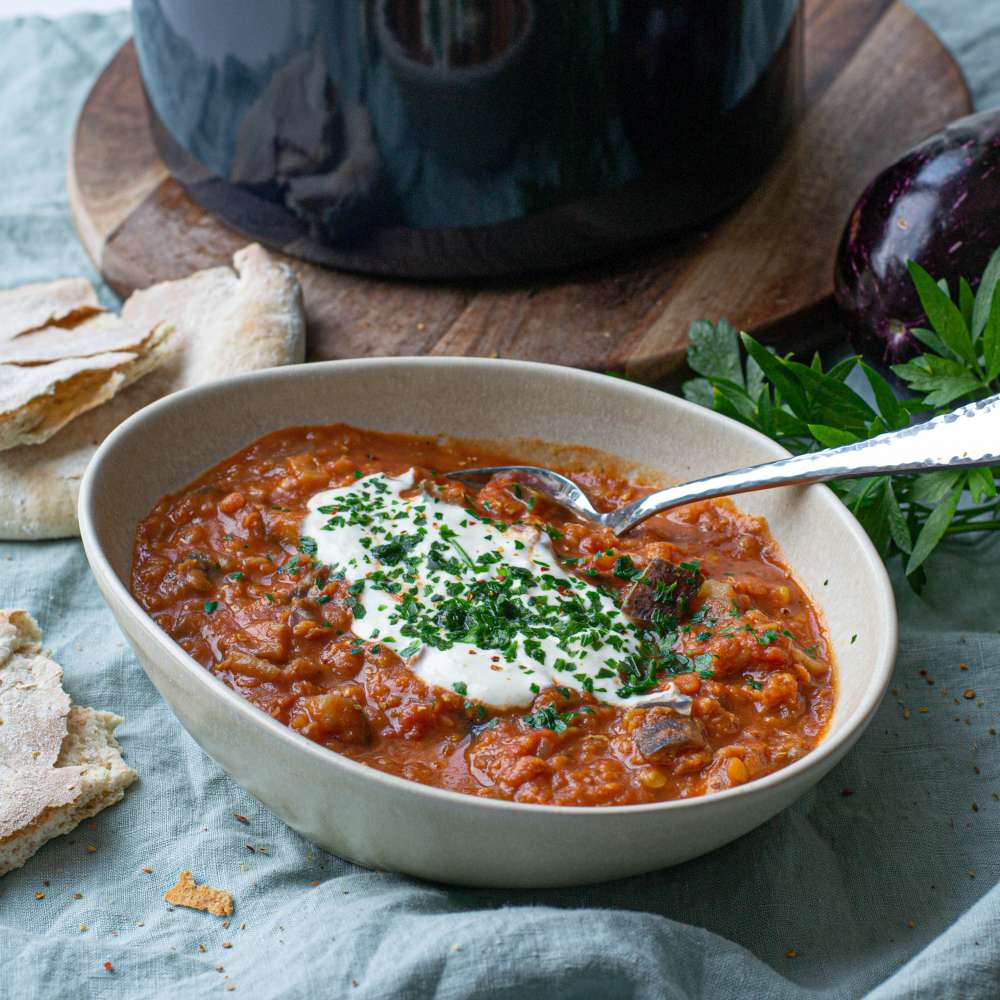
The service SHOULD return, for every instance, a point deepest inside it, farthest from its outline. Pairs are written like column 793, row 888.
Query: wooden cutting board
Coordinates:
column 876, row 81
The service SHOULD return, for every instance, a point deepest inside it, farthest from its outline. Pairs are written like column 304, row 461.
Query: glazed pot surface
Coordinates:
column 467, row 137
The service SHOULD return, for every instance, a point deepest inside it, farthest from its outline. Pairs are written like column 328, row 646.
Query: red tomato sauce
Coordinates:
column 218, row 566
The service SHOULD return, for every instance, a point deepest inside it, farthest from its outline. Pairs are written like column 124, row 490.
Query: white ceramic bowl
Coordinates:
column 383, row 821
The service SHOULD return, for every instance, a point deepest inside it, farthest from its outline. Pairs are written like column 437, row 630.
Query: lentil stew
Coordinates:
column 485, row 641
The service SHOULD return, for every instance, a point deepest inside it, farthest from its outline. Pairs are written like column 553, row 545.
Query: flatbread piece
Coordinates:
column 59, row 763
column 224, row 321
column 38, row 399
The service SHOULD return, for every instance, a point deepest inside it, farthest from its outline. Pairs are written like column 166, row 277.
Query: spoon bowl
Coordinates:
column 968, row 437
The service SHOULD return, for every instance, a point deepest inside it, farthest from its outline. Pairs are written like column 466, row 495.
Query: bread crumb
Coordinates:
column 227, row 944
column 188, row 893
column 83, row 927
column 791, row 953
column 147, row 870
column 241, row 819
column 39, row 895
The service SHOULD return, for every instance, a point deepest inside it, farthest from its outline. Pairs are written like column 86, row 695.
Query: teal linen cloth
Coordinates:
column 880, row 882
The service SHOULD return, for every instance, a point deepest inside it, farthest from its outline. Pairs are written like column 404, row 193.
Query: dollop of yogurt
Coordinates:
column 472, row 605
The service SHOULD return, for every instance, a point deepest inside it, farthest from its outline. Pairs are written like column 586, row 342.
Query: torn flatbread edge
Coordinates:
column 33, row 704
column 62, row 302
column 90, row 749
column 74, row 386
column 103, row 333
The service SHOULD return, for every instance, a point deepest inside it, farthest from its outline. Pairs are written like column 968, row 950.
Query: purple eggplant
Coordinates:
column 939, row 205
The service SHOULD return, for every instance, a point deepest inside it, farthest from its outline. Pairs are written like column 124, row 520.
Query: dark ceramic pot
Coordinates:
column 451, row 138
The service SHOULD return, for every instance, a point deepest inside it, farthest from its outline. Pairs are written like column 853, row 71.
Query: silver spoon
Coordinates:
column 965, row 438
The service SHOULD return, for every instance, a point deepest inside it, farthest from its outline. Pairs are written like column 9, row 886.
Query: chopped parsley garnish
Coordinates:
column 549, row 718
column 460, row 687
column 625, row 569
column 210, row 606
column 396, row 549
column 307, row 546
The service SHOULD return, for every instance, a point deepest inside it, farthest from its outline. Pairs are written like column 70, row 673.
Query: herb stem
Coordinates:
column 972, row 526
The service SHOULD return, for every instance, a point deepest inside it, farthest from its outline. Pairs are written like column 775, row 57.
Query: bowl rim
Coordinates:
column 832, row 746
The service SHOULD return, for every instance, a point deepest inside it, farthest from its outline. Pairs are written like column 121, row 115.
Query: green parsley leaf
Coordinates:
column 985, row 307
column 945, row 316
column 549, row 718
column 934, row 529
column 806, row 408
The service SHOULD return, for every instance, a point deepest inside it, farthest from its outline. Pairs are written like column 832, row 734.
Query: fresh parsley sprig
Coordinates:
column 805, row 407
